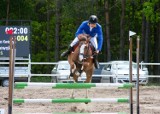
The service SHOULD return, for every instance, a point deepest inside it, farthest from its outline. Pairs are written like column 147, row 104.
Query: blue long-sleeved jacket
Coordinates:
column 84, row 28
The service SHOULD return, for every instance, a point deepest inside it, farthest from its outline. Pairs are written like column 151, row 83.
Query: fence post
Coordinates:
column 137, row 85
column 11, row 73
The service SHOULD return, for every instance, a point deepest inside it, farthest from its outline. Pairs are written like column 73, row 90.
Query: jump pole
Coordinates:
column 11, row 73
column 130, row 69
column 22, row 85
column 75, row 113
column 137, row 84
column 72, row 100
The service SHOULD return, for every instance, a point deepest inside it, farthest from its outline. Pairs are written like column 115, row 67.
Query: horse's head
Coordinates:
column 84, row 50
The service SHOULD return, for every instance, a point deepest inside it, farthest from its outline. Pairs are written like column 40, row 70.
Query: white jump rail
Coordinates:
column 21, row 85
column 73, row 100
column 75, row 113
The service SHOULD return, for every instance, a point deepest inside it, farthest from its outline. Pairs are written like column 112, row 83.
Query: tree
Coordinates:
column 107, row 32
column 57, row 29
column 7, row 14
column 122, row 29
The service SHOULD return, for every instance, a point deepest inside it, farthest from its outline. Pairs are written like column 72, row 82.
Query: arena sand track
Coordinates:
column 149, row 100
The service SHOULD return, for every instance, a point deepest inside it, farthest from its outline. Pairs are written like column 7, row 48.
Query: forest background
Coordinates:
column 54, row 23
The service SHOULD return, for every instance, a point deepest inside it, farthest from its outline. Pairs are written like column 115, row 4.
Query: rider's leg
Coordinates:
column 95, row 57
column 67, row 52
column 70, row 49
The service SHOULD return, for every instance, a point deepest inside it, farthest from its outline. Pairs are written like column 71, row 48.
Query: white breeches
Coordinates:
column 93, row 40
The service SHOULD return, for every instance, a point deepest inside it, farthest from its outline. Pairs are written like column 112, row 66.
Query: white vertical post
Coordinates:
column 29, row 67
column 2, row 111
column 137, row 84
column 130, row 69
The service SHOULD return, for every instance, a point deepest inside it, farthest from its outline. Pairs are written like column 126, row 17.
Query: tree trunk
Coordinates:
column 143, row 38
column 107, row 31
column 7, row 15
column 122, row 29
column 158, row 37
column 155, row 50
column 141, row 58
column 48, row 31
column 146, row 55
column 156, row 54
column 57, row 30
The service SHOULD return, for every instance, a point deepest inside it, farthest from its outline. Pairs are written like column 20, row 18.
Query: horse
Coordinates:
column 81, row 60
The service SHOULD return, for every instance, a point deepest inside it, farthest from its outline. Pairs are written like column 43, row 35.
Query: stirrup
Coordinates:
column 96, row 64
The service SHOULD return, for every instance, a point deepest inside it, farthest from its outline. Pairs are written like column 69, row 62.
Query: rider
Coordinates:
column 94, row 30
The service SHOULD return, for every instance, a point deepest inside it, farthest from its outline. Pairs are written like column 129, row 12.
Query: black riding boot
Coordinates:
column 96, row 63
column 66, row 53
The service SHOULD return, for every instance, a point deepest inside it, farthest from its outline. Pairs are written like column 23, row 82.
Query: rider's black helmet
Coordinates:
column 93, row 19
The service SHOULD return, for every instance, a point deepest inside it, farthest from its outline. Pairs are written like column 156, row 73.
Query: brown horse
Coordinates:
column 81, row 60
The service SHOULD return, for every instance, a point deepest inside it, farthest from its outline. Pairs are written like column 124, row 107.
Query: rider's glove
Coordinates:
column 97, row 51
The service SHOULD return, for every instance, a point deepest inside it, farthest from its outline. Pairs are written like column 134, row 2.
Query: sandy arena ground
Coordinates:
column 149, row 100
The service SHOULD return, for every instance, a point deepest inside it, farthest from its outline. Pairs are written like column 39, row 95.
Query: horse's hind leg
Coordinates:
column 75, row 77
column 88, row 79
column 86, row 93
column 72, row 94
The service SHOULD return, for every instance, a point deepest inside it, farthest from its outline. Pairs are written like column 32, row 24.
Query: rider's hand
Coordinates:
column 97, row 51
column 80, row 36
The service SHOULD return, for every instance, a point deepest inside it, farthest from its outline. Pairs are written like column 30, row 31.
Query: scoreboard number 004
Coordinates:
column 22, row 38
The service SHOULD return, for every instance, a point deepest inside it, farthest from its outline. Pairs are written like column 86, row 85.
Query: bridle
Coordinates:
column 82, row 54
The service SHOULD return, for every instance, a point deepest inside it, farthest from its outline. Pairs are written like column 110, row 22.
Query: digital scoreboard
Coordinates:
column 22, row 35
